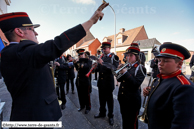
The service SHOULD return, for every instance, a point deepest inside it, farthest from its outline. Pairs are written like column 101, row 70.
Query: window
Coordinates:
column 119, row 41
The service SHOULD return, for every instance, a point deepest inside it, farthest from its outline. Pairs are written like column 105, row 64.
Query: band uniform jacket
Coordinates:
column 82, row 66
column 192, row 64
column 130, row 84
column 28, row 77
column 83, row 83
column 70, row 71
column 171, row 103
column 106, row 78
column 60, row 71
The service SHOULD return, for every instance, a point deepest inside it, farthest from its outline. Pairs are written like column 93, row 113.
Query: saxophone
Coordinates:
column 54, row 79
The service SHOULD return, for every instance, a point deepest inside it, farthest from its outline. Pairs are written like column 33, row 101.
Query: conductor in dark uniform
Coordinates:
column 61, row 75
column 106, row 83
column 25, row 68
column 83, row 83
column 170, row 104
column 70, row 74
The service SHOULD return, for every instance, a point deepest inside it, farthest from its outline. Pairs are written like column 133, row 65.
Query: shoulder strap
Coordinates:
column 112, row 58
column 140, row 65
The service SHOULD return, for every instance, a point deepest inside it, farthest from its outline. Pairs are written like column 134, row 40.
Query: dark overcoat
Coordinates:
column 70, row 71
column 171, row 103
column 61, row 71
column 28, row 77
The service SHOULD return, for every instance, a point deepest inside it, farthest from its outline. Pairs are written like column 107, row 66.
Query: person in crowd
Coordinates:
column 70, row 74
column 170, row 103
column 117, row 83
column 25, row 68
column 87, row 53
column 83, row 66
column 61, row 75
column 96, row 70
column 131, row 78
column 106, row 83
column 154, row 66
column 191, row 64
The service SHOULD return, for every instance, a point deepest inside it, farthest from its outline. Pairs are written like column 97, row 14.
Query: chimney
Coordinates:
column 122, row 30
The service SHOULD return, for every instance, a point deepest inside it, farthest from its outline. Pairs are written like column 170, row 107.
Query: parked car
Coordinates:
column 149, row 69
column 183, row 68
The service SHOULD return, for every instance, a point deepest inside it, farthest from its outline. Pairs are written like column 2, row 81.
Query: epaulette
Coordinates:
column 183, row 80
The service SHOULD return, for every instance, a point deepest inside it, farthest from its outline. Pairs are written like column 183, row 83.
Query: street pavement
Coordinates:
column 72, row 119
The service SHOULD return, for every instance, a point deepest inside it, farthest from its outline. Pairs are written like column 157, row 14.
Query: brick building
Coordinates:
column 125, row 38
column 89, row 43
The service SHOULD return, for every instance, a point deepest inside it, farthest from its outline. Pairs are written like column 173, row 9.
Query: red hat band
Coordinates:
column 134, row 50
column 10, row 21
column 172, row 52
column 106, row 44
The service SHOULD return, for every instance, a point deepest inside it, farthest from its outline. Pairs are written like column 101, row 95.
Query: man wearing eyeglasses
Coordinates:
column 25, row 66
column 106, row 83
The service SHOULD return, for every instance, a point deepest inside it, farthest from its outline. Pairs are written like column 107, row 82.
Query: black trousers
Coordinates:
column 72, row 84
column 96, row 73
column 84, row 97
column 106, row 97
column 61, row 92
column 129, row 112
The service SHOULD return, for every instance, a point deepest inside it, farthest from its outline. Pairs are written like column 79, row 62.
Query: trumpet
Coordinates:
column 117, row 74
column 143, row 117
column 94, row 64
column 54, row 81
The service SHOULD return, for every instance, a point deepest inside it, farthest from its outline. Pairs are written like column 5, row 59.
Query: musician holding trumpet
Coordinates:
column 170, row 103
column 83, row 66
column 106, row 82
column 131, row 79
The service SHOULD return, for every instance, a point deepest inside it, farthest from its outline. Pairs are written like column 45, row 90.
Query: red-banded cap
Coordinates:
column 10, row 21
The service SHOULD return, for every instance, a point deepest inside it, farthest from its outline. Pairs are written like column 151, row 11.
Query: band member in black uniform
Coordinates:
column 87, row 54
column 70, row 74
column 96, row 70
column 170, row 103
column 154, row 63
column 60, row 74
column 106, row 83
column 25, row 69
column 154, row 66
column 82, row 82
column 191, row 64
column 129, row 94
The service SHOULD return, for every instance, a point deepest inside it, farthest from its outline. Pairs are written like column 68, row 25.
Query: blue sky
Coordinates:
column 165, row 20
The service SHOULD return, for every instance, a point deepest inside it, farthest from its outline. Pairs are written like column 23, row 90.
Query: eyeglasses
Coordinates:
column 104, row 48
column 25, row 28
